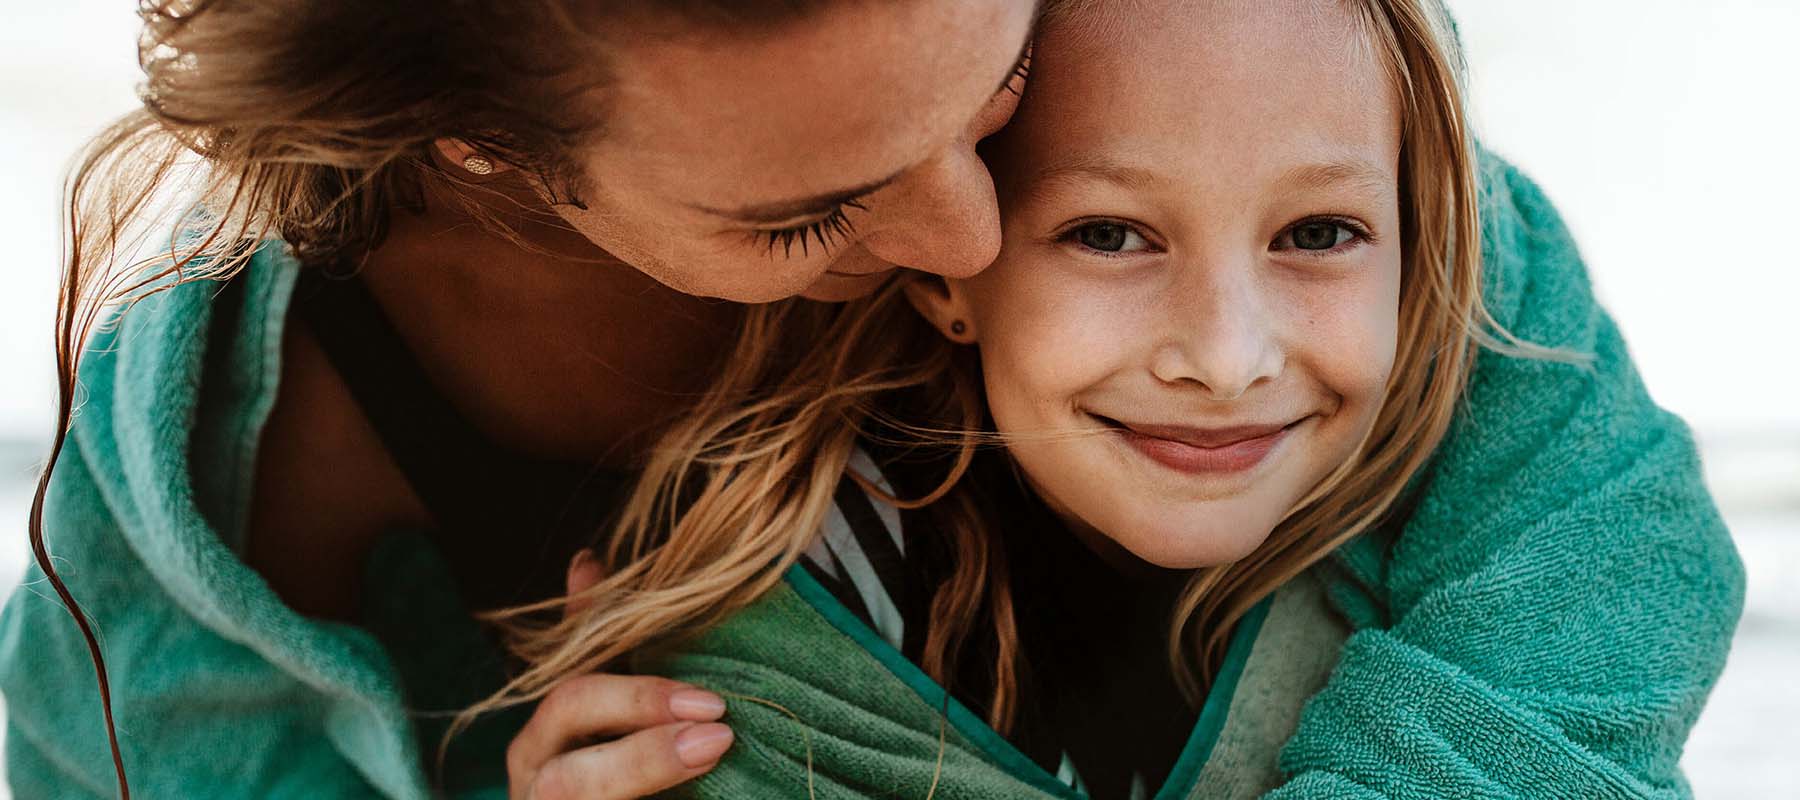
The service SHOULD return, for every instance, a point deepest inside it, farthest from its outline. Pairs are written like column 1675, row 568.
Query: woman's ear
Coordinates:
column 944, row 302
column 472, row 163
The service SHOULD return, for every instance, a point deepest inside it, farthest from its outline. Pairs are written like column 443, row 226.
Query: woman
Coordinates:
column 534, row 201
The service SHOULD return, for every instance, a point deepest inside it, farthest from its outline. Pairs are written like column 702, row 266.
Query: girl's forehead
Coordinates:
column 1201, row 42
column 1206, row 83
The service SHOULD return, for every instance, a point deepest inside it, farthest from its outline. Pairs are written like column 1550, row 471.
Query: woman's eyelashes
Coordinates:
column 1021, row 74
column 825, row 233
column 1322, row 236
column 836, row 227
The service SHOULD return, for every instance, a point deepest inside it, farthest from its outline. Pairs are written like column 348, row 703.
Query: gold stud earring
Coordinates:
column 478, row 165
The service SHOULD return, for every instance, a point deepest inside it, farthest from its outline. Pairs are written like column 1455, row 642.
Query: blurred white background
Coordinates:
column 1665, row 131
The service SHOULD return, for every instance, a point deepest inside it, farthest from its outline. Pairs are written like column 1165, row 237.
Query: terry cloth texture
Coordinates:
column 1547, row 624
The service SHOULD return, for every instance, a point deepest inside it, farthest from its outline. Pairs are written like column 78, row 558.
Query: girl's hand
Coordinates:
column 614, row 737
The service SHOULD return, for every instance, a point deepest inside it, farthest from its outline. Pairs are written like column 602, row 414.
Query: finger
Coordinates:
column 585, row 570
column 641, row 764
column 589, row 706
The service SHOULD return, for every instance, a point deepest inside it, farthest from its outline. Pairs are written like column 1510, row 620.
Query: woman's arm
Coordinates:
column 1561, row 601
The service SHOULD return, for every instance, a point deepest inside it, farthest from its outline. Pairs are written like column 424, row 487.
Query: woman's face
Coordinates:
column 1201, row 268
column 808, row 157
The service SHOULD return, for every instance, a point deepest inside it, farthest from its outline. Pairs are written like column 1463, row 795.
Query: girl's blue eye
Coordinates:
column 1108, row 237
column 1318, row 236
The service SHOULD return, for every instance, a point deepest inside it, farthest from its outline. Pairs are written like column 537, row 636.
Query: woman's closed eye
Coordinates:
column 1322, row 236
column 824, row 233
column 1106, row 237
column 1020, row 75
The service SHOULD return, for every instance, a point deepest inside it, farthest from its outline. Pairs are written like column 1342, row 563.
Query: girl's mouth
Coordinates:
column 1200, row 451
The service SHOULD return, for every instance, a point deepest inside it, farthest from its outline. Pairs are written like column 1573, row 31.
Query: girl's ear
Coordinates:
column 945, row 303
column 459, row 155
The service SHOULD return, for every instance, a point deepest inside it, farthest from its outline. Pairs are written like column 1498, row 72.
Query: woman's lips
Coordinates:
column 1203, row 450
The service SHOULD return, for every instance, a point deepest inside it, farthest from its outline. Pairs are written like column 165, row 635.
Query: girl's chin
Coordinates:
column 1191, row 548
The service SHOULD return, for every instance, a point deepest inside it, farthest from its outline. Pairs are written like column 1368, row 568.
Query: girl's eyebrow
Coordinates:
column 1099, row 168
column 1356, row 172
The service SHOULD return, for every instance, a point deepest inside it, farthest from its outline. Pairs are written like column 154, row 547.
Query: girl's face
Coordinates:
column 809, row 157
column 1201, row 264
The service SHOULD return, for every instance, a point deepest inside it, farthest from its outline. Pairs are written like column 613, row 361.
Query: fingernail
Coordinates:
column 702, row 744
column 697, row 705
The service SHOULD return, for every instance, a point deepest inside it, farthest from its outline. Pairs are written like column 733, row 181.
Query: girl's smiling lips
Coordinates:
column 1203, row 450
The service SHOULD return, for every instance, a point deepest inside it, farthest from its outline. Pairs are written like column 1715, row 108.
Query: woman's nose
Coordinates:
column 942, row 218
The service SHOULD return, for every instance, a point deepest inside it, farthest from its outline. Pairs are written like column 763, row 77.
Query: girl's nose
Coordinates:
column 1219, row 335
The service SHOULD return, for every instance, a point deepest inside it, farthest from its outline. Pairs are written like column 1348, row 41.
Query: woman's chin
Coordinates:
column 838, row 288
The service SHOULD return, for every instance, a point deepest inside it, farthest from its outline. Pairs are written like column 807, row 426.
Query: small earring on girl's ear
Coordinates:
column 479, row 165
column 957, row 327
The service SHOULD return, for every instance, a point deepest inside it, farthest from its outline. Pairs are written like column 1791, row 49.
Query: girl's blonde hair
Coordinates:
column 739, row 489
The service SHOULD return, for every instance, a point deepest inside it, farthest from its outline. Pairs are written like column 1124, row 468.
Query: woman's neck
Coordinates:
column 565, row 352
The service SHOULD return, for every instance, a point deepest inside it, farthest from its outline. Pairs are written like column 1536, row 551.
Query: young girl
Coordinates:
column 1228, row 546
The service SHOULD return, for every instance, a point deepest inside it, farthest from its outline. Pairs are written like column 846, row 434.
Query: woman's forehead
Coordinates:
column 848, row 96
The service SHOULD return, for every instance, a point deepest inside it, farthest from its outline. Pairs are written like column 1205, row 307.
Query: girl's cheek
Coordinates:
column 1058, row 338
column 1350, row 341
column 1028, row 367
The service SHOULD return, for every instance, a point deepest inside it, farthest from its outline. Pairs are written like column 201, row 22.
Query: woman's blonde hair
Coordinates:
column 739, row 489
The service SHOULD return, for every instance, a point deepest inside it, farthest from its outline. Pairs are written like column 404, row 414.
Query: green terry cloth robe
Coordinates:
column 1547, row 623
